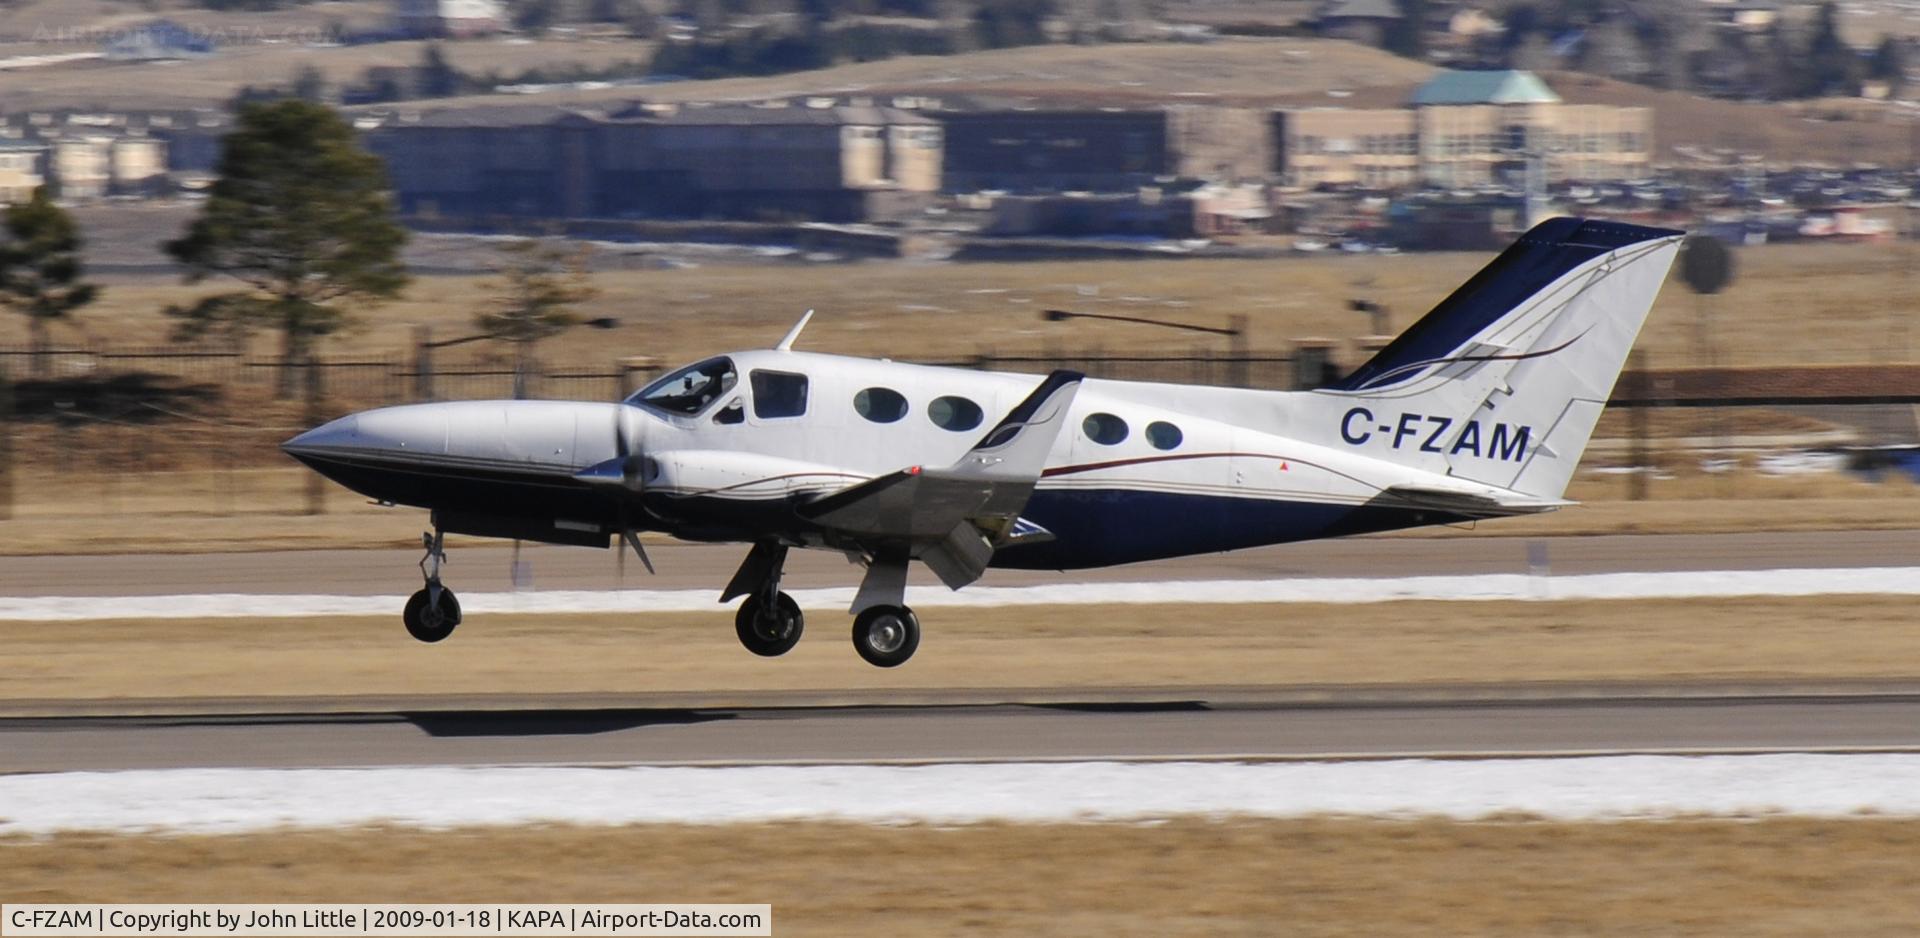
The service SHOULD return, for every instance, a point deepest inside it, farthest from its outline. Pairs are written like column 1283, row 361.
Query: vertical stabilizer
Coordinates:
column 1503, row 382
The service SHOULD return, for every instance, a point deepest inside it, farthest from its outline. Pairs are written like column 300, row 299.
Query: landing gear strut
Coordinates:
column 769, row 623
column 433, row 612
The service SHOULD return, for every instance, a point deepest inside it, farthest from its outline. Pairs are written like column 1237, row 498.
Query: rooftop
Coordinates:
column 1484, row 87
column 1361, row 9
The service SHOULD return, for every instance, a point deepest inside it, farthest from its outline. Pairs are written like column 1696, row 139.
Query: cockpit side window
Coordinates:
column 778, row 394
column 689, row 390
column 734, row 412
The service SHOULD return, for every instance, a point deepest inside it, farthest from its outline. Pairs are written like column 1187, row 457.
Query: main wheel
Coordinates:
column 769, row 633
column 886, row 636
column 429, row 621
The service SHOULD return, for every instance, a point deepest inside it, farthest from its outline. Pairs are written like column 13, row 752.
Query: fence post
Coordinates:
column 1239, row 365
column 423, row 362
column 316, row 487
column 6, row 446
column 1643, row 402
column 1310, row 358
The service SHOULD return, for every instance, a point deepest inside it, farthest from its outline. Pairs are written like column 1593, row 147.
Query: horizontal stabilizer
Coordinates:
column 1475, row 504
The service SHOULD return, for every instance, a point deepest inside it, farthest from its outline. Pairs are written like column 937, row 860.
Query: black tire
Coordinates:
column 769, row 635
column 435, row 623
column 886, row 636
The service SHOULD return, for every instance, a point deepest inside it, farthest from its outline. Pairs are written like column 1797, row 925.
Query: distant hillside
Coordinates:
column 1230, row 70
column 1786, row 132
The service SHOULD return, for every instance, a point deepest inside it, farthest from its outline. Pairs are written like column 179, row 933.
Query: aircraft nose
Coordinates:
column 416, row 428
column 334, row 434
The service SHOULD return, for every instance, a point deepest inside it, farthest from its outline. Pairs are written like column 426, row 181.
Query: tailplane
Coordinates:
column 1503, row 382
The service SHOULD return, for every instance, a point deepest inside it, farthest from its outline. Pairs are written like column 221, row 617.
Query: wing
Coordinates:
column 953, row 518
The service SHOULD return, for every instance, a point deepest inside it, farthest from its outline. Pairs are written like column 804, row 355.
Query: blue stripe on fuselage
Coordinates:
column 1103, row 527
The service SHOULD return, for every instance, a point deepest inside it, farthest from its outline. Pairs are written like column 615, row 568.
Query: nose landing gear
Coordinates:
column 769, row 623
column 433, row 612
column 769, row 629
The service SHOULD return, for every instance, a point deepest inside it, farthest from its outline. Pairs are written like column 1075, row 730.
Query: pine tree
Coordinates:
column 40, row 269
column 1890, row 63
column 1832, row 67
column 300, row 215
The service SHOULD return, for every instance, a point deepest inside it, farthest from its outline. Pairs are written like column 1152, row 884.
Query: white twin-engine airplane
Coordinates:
column 1480, row 410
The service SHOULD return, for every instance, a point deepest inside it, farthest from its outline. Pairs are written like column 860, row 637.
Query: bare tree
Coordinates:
column 540, row 284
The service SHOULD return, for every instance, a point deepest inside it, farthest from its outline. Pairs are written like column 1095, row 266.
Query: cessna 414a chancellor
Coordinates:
column 1479, row 410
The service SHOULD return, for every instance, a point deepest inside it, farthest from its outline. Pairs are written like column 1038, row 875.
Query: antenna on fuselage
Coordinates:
column 786, row 344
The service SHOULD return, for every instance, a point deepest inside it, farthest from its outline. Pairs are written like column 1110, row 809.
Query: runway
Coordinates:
column 1249, row 724
column 700, row 566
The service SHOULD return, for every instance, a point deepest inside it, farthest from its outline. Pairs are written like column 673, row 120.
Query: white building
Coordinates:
column 20, row 171
column 82, row 167
column 429, row 19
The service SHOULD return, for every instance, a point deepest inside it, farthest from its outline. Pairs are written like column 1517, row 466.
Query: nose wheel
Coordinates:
column 886, row 636
column 769, row 622
column 769, row 629
column 430, row 618
column 433, row 612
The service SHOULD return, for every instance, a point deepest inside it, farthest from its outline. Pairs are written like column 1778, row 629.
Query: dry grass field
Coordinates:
column 1186, row 877
column 219, row 481
column 252, row 506
column 1821, row 638
column 1790, row 304
column 254, row 48
column 270, row 47
column 1230, row 70
column 214, row 81
column 22, row 20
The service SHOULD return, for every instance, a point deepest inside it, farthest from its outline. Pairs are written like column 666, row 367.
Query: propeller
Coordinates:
column 623, row 470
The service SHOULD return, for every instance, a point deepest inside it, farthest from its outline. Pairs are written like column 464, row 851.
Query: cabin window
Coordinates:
column 880, row 405
column 1163, row 435
column 1104, row 429
column 734, row 412
column 689, row 390
column 954, row 413
column 779, row 394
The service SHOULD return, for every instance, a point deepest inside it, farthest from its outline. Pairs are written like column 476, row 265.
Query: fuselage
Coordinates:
column 726, row 448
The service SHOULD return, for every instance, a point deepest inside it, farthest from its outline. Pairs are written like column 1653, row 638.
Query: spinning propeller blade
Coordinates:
column 630, row 479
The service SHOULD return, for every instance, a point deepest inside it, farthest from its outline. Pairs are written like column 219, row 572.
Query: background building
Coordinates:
column 1099, row 149
column 836, row 163
column 20, row 170
column 431, row 19
column 1464, row 129
column 82, row 167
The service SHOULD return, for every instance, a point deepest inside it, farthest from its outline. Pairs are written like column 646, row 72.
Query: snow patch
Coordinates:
column 1579, row 789
column 1902, row 581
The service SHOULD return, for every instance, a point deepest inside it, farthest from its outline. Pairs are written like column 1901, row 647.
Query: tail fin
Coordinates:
column 1503, row 381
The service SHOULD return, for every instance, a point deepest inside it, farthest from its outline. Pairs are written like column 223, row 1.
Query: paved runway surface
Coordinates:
column 958, row 725
column 695, row 566
column 1085, row 725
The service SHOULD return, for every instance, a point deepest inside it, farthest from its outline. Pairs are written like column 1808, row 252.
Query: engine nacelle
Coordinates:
column 738, row 476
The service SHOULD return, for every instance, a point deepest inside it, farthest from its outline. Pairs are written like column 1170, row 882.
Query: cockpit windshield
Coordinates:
column 689, row 390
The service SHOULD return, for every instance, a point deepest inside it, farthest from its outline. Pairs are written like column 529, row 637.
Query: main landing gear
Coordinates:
column 770, row 623
column 433, row 612
column 886, row 636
